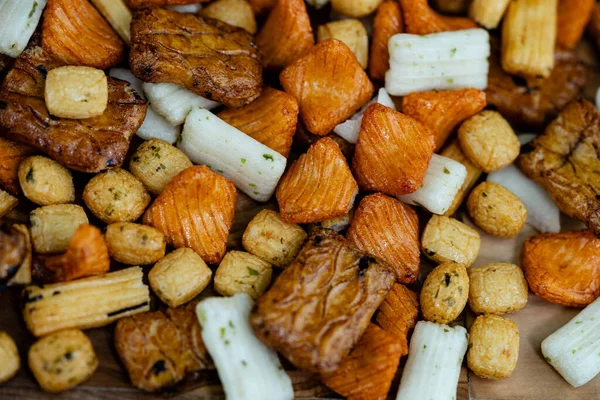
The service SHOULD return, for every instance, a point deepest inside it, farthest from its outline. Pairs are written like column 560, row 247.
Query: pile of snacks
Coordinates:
column 364, row 134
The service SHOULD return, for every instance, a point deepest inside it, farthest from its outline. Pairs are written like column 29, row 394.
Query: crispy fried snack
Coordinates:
column 321, row 304
column 387, row 22
column 534, row 102
column 392, row 152
column 23, row 274
column 87, row 255
column 195, row 210
column 286, row 35
column 593, row 27
column 398, row 314
column 13, row 250
column 11, row 155
column 329, row 84
column 89, row 145
column 420, row 19
column 318, row 185
column 133, row 4
column 388, row 230
column 75, row 33
column 563, row 268
column 443, row 111
column 206, row 56
column 368, row 371
column 261, row 6
column 271, row 119
column 564, row 160
column 573, row 16
column 195, row 355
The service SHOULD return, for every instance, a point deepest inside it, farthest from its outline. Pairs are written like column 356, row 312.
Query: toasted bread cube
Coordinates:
column 286, row 35
column 7, row 203
column 449, row 240
column 318, row 186
column 420, row 19
column 352, row 33
column 355, row 8
column 271, row 119
column 488, row 13
column 234, row 12
column 116, row 196
column 11, row 155
column 135, row 244
column 493, row 347
column 62, row 360
column 179, row 277
column 392, row 152
column 387, row 22
column 454, row 152
column 529, row 36
column 443, row 111
column 53, row 227
column 489, row 141
column 9, row 355
column 76, row 92
column 269, row 237
column 497, row 289
column 23, row 274
column 156, row 162
column 445, row 293
column 45, row 182
column 399, row 313
column 241, row 272
column 496, row 210
column 388, row 230
column 370, row 368
column 329, row 84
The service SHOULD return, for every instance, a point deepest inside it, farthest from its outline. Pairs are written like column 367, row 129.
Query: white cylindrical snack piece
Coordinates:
column 542, row 213
column 174, row 102
column 443, row 180
column 154, row 126
column 248, row 369
column 350, row 128
column 446, row 60
column 434, row 360
column 253, row 167
column 18, row 20
column 574, row 349
column 187, row 8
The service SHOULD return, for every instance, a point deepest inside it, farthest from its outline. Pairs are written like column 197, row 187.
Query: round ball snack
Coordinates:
column 497, row 289
column 116, row 196
column 493, row 347
column 444, row 293
column 488, row 141
column 45, row 182
column 496, row 210
column 135, row 244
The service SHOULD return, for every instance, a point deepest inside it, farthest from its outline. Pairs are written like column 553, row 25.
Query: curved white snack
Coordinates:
column 443, row 180
column 248, row 369
column 574, row 349
column 18, row 20
column 434, row 360
column 253, row 167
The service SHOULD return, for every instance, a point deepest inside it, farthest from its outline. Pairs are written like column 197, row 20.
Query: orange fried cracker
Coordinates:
column 398, row 313
column 573, row 16
column 195, row 210
column 11, row 155
column 318, row 186
column 329, row 84
column 261, row 6
column 392, row 151
column 420, row 19
column 387, row 23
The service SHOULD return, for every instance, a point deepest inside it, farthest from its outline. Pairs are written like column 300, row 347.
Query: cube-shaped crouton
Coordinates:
column 241, row 272
column 53, row 227
column 420, row 19
column 179, row 277
column 449, row 240
column 318, row 186
column 392, row 152
column 387, row 22
column 329, row 84
column 388, row 229
column 76, row 92
column 269, row 237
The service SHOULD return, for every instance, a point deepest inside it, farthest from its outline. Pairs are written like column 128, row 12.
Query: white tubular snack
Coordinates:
column 253, row 167
column 574, row 349
column 446, row 60
column 175, row 102
column 443, row 180
column 154, row 126
column 350, row 128
column 187, row 8
column 542, row 213
column 248, row 369
column 18, row 20
column 434, row 359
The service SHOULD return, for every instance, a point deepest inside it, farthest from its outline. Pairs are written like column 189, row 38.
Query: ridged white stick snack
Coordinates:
column 248, row 369
column 18, row 20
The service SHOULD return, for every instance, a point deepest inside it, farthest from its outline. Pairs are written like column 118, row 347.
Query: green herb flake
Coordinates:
column 144, row 239
column 244, row 363
column 573, row 351
column 223, row 330
column 253, row 186
column 252, row 271
column 231, row 325
column 424, row 346
column 35, row 4
column 578, row 322
column 446, row 171
column 163, row 166
column 268, row 157
column 447, row 278
column 484, row 194
column 446, row 330
column 450, row 81
column 243, row 160
column 452, row 52
column 548, row 359
column 29, row 178
column 227, row 342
